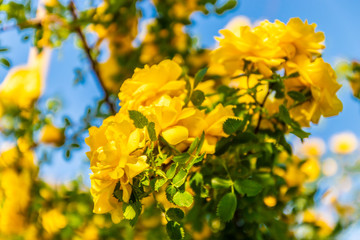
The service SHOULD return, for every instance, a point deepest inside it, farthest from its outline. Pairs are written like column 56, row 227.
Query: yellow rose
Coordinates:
column 114, row 159
column 302, row 37
column 150, row 83
column 256, row 45
column 319, row 79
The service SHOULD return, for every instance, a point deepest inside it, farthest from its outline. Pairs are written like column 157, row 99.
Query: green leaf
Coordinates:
column 227, row 6
column 183, row 199
column 197, row 98
column 151, row 131
column 201, row 142
column 193, row 145
column 197, row 182
column 248, row 187
column 231, row 125
column 297, row 96
column 140, row 121
column 129, row 211
column 180, row 178
column 5, row 62
column 170, row 173
column 159, row 183
column 199, row 76
column 284, row 114
column 182, row 158
column 175, row 214
column 170, row 192
column 227, row 207
column 175, row 231
column 218, row 183
column 300, row 133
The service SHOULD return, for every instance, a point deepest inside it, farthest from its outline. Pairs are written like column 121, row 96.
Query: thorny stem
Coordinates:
column 93, row 62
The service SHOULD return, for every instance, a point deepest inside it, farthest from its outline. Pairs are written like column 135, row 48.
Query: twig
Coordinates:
column 260, row 116
column 93, row 62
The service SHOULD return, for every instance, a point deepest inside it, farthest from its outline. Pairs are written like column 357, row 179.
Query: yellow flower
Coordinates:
column 311, row 168
column 211, row 124
column 303, row 38
column 52, row 135
column 312, row 147
column 343, row 143
column 270, row 201
column 15, row 191
column 23, row 85
column 167, row 113
column 114, row 159
column 53, row 221
column 149, row 84
column 256, row 45
column 91, row 232
column 319, row 79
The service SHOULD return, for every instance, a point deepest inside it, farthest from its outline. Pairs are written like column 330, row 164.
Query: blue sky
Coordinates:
column 338, row 19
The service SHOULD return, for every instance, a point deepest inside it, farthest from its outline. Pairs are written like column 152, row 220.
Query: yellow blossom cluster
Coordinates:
column 117, row 146
column 269, row 48
column 24, row 84
column 16, row 176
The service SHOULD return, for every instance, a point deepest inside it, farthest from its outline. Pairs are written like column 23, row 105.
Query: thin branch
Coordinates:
column 260, row 116
column 93, row 62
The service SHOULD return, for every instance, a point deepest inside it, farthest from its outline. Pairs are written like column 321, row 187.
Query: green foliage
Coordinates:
column 231, row 125
column 183, row 199
column 226, row 207
column 197, row 98
column 175, row 214
column 140, row 121
column 199, row 76
column 249, row 187
column 175, row 231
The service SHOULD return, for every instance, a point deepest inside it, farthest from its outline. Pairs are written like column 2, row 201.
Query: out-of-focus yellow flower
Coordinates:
column 23, row 85
column 312, row 147
column 270, row 201
column 15, row 189
column 319, row 79
column 51, row 3
column 113, row 159
column 53, row 221
column 311, row 167
column 343, row 143
column 90, row 232
column 52, row 135
column 150, row 83
column 324, row 227
column 329, row 167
